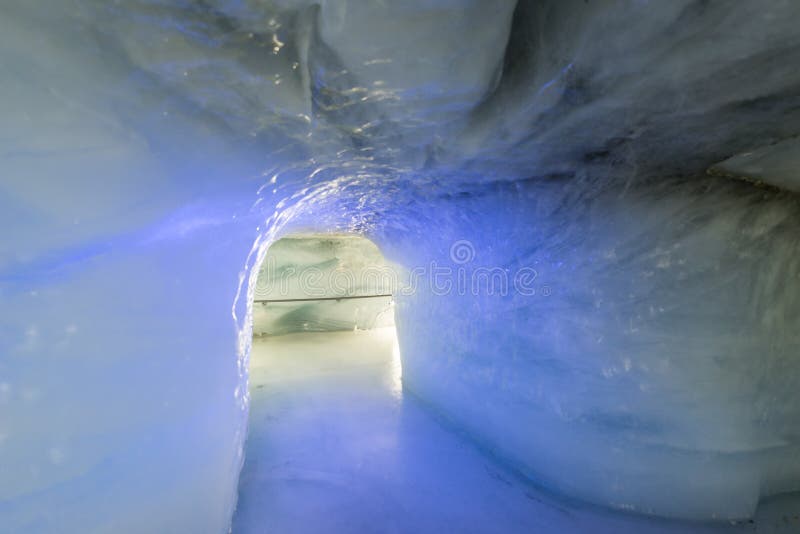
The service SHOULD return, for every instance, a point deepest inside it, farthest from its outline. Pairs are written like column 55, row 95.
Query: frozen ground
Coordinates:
column 335, row 447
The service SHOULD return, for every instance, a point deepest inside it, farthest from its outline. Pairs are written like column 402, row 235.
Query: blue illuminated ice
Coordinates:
column 153, row 150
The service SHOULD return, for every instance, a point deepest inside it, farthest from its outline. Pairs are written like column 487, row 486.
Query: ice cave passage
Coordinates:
column 336, row 445
column 590, row 209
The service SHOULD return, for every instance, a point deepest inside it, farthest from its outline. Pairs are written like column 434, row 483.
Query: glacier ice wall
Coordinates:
column 667, row 387
column 122, row 405
column 152, row 150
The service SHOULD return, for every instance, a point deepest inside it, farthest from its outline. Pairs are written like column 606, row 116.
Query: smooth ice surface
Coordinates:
column 335, row 446
column 152, row 150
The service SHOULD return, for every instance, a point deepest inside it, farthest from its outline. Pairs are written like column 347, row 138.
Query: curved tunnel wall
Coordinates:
column 651, row 387
column 141, row 191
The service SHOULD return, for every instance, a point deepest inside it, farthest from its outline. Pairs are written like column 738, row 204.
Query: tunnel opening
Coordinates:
column 324, row 357
column 637, row 160
column 335, row 443
column 322, row 283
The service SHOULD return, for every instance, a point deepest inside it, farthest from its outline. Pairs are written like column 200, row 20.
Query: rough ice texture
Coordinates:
column 667, row 387
column 153, row 149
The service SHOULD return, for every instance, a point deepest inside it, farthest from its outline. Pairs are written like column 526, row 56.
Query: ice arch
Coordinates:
column 323, row 283
column 153, row 150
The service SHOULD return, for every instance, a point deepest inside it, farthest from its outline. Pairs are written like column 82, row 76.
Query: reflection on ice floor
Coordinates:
column 334, row 447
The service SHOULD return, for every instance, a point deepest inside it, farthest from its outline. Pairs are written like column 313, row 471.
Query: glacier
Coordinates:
column 633, row 340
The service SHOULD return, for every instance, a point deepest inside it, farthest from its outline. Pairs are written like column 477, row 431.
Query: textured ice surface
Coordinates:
column 654, row 387
column 776, row 165
column 335, row 446
column 152, row 150
column 322, row 267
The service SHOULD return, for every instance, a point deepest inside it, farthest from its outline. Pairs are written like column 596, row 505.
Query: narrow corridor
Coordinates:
column 335, row 446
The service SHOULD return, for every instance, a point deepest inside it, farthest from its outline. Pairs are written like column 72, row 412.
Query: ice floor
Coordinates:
column 335, row 446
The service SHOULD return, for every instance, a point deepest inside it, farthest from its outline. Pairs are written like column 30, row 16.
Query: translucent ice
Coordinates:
column 152, row 150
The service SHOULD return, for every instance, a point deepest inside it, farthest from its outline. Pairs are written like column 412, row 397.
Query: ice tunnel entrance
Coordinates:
column 324, row 358
column 335, row 445
column 322, row 283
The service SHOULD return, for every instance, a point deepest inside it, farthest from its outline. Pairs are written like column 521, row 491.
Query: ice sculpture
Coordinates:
column 152, row 150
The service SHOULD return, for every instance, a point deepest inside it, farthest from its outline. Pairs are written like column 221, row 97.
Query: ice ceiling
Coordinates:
column 153, row 149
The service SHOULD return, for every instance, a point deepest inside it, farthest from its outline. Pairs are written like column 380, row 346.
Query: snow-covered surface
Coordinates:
column 336, row 446
column 152, row 150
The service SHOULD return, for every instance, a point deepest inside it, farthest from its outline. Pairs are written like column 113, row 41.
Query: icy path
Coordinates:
column 335, row 448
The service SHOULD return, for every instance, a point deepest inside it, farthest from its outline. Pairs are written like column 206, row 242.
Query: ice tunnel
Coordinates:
column 591, row 208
